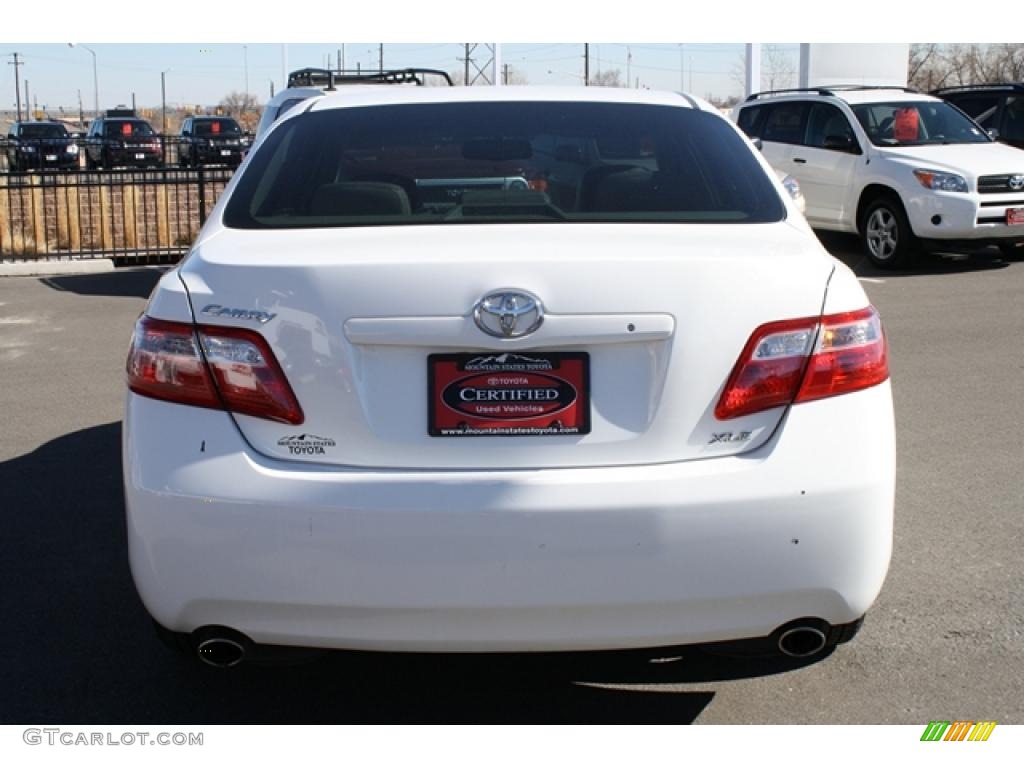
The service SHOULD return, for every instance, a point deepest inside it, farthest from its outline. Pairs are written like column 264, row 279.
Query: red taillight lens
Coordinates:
column 164, row 363
column 851, row 353
column 236, row 369
column 248, row 375
column 806, row 359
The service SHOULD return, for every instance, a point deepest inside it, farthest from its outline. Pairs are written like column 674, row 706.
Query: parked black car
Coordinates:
column 40, row 144
column 997, row 107
column 122, row 141
column 210, row 141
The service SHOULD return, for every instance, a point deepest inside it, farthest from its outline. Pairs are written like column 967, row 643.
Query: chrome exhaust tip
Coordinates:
column 220, row 652
column 801, row 642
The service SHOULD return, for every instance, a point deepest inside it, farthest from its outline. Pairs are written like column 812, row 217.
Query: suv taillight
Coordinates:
column 794, row 361
column 235, row 369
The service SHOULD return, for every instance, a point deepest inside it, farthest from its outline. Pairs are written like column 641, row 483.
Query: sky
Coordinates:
column 537, row 37
column 203, row 74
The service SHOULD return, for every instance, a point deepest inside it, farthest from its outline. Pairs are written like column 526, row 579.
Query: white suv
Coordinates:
column 516, row 369
column 904, row 170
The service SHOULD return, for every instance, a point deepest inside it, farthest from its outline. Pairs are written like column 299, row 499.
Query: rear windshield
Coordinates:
column 916, row 123
column 216, row 128
column 499, row 162
column 127, row 128
column 43, row 132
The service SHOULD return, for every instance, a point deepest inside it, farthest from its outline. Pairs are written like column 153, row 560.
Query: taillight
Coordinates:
column 807, row 359
column 235, row 370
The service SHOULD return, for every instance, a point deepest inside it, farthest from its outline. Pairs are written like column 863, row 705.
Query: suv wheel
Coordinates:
column 885, row 233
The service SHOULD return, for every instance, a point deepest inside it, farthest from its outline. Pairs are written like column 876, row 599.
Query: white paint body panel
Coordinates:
column 561, row 559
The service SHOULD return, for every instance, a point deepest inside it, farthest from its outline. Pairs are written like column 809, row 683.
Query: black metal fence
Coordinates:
column 133, row 216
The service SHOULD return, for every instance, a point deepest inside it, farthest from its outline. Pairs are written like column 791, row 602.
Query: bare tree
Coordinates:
column 777, row 68
column 243, row 107
column 609, row 78
column 933, row 66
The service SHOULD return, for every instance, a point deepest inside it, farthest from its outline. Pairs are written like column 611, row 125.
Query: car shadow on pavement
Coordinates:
column 135, row 283
column 78, row 646
column 848, row 250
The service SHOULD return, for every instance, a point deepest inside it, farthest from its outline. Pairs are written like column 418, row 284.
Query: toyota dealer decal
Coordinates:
column 509, row 394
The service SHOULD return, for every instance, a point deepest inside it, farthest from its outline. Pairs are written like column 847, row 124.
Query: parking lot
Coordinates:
column 945, row 640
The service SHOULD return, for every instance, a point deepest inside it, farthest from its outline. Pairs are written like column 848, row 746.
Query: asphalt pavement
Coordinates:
column 945, row 639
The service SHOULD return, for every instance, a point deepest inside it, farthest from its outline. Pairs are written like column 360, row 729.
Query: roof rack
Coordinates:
column 312, row 76
column 1015, row 87
column 829, row 90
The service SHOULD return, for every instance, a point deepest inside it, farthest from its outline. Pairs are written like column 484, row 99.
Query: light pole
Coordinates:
column 95, row 78
column 163, row 100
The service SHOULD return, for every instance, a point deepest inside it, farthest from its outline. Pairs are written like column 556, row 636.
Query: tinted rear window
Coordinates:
column 216, row 127
column 501, row 161
column 113, row 128
column 43, row 131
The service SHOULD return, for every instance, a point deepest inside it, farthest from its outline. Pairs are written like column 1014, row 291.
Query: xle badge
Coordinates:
column 306, row 445
column 729, row 437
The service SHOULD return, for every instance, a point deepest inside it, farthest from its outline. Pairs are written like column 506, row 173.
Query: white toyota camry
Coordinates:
column 516, row 369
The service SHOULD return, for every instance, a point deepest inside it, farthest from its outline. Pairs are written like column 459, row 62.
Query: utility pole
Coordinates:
column 81, row 112
column 271, row 89
column 133, row 101
column 341, row 56
column 28, row 102
column 466, row 81
column 17, row 81
column 506, row 74
column 629, row 64
column 586, row 63
column 381, row 58
column 163, row 100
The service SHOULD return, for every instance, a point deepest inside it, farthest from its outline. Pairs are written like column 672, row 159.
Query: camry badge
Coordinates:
column 216, row 310
column 508, row 314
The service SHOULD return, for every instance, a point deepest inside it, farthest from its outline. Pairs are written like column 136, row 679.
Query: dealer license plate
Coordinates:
column 1015, row 215
column 509, row 394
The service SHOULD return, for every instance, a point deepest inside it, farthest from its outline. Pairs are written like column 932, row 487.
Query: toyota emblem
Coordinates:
column 508, row 314
column 1016, row 183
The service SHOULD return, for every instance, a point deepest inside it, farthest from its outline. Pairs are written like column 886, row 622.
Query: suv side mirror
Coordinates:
column 993, row 133
column 841, row 143
column 758, row 144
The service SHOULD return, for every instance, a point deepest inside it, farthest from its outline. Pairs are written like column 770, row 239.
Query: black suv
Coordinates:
column 210, row 141
column 998, row 108
column 122, row 141
column 40, row 144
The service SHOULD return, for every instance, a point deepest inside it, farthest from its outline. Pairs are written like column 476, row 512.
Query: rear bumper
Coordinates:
column 128, row 157
column 215, row 155
column 565, row 559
